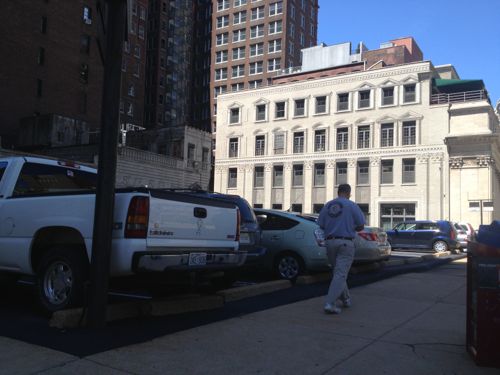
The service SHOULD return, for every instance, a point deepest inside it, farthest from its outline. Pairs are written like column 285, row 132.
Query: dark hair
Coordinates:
column 344, row 189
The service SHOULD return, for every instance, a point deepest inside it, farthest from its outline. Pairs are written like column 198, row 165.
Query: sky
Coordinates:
column 463, row 33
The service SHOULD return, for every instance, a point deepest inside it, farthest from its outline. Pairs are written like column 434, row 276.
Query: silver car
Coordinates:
column 295, row 244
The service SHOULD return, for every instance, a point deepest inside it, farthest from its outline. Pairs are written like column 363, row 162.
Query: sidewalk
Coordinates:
column 409, row 324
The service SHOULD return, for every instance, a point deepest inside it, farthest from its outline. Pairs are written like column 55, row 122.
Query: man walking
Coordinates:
column 340, row 218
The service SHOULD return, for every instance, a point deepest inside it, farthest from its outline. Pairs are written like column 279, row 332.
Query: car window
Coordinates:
column 406, row 226
column 427, row 226
column 37, row 179
column 3, row 167
column 276, row 222
column 247, row 214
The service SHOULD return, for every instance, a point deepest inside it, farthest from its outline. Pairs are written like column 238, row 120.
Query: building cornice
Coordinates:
column 416, row 68
column 435, row 152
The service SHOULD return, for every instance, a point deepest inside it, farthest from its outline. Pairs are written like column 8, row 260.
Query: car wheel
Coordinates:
column 288, row 266
column 60, row 278
column 440, row 246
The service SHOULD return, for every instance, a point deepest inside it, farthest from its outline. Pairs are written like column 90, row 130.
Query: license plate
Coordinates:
column 244, row 238
column 197, row 259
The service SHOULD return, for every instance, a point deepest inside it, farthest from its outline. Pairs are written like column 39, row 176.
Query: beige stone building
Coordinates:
column 413, row 140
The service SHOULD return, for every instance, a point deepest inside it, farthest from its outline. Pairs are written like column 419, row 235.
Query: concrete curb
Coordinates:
column 235, row 294
column 414, row 260
column 365, row 268
column 313, row 279
column 393, row 262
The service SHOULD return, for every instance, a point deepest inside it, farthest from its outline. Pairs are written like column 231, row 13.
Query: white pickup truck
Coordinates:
column 46, row 226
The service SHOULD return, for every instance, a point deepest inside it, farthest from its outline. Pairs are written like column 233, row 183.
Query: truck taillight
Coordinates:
column 238, row 223
column 137, row 218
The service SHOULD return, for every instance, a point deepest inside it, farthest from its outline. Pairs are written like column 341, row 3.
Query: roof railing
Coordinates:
column 459, row 97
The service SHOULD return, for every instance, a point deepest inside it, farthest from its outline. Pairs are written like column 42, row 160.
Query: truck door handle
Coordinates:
column 200, row 212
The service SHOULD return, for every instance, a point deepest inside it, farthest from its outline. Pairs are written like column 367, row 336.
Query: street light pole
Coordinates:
column 105, row 194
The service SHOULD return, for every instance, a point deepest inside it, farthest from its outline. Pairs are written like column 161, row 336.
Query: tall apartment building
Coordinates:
column 253, row 39
column 412, row 139
column 52, row 72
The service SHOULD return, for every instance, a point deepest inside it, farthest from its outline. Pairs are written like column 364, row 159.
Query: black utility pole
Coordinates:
column 105, row 196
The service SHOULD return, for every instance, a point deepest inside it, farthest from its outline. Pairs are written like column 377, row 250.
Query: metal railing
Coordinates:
column 458, row 97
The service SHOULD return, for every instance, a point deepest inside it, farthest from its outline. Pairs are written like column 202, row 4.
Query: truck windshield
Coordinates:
column 36, row 179
column 3, row 167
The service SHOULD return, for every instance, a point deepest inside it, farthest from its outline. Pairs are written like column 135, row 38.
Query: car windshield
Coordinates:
column 3, row 167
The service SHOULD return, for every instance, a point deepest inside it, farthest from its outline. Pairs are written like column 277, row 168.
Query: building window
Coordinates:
column 279, row 144
column 300, row 106
column 280, row 110
column 321, row 104
column 87, row 15
column 297, row 175
column 258, row 178
column 256, row 49
column 260, row 112
column 232, row 178
column 408, row 171
column 277, row 206
column 256, row 31
column 234, row 116
column 274, row 46
column 341, row 173
column 239, row 35
column 256, row 67
column 233, row 147
column 387, row 135
column 363, row 177
column 260, row 145
column 43, row 25
column 191, row 151
column 237, row 86
column 342, row 138
column 137, row 51
column 409, row 93
column 219, row 90
column 275, row 27
column 273, row 64
column 388, row 96
column 238, row 53
column 238, row 3
column 278, row 176
column 85, row 44
column 222, row 21
column 364, row 99
column 343, row 102
column 298, row 142
column 220, row 56
column 130, row 110
column 275, row 8
column 320, row 140
column 41, row 56
column 319, row 174
column 222, row 39
column 238, row 71
column 257, row 13
column 386, row 172
column 409, row 133
column 39, row 87
column 364, row 136
column 220, row 74
column 393, row 214
column 239, row 17
column 296, row 207
column 255, row 84
column 222, row 5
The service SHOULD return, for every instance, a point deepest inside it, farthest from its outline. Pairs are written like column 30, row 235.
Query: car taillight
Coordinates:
column 238, row 224
column 319, row 235
column 369, row 236
column 137, row 218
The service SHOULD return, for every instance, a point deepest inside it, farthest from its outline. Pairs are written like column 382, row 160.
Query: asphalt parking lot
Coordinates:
column 20, row 319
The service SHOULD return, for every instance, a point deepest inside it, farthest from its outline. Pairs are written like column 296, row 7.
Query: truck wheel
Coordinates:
column 288, row 266
column 61, row 275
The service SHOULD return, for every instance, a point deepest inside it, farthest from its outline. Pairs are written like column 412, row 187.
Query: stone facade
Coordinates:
column 289, row 146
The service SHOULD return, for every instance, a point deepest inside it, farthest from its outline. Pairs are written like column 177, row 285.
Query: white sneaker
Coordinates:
column 347, row 302
column 332, row 309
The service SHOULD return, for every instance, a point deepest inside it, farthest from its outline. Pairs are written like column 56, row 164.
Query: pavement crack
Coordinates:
column 60, row 365
column 111, row 367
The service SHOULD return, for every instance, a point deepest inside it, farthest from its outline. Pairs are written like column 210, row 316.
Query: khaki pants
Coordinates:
column 340, row 254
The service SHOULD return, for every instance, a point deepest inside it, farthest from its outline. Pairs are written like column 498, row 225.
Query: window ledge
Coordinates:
column 364, row 109
column 280, row 119
column 388, row 105
column 410, row 103
column 409, row 184
column 299, row 116
column 391, row 184
column 321, row 114
column 343, row 110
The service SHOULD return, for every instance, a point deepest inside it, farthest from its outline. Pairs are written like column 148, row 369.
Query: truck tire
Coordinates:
column 60, row 278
